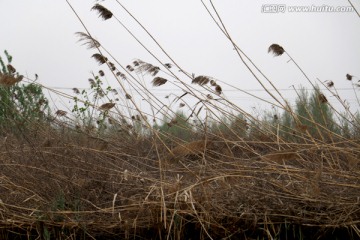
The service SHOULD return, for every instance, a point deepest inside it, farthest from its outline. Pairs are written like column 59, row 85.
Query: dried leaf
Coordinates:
column 127, row 96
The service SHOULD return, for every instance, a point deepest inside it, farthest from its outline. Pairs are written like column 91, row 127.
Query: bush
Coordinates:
column 21, row 104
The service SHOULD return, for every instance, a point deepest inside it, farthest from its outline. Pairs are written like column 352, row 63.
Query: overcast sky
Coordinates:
column 40, row 36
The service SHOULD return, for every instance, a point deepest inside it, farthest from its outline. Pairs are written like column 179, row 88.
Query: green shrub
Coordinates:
column 20, row 104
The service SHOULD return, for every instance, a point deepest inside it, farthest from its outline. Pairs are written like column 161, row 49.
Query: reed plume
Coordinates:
column 99, row 58
column 103, row 12
column 201, row 80
column 144, row 67
column 349, row 77
column 158, row 81
column 218, row 89
column 276, row 49
column 122, row 75
column 322, row 98
column 76, row 90
column 88, row 40
column 107, row 106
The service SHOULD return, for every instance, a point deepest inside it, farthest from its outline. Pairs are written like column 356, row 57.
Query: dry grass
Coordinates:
column 115, row 187
column 129, row 179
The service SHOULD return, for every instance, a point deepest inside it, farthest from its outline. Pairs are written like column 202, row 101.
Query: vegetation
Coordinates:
column 192, row 166
column 21, row 104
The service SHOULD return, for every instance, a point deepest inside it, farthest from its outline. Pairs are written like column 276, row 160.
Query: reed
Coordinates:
column 107, row 168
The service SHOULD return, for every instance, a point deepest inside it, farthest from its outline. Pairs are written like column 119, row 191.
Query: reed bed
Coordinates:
column 66, row 187
column 110, row 169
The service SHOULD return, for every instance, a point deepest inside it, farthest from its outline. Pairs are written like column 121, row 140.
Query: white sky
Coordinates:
column 39, row 34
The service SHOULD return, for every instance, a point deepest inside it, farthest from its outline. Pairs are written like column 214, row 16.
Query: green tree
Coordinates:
column 177, row 127
column 315, row 113
column 287, row 125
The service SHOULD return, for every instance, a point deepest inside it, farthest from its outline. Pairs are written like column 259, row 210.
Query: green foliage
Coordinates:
column 177, row 127
column 312, row 111
column 236, row 127
column 350, row 126
column 21, row 104
column 286, row 125
column 85, row 114
column 315, row 113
